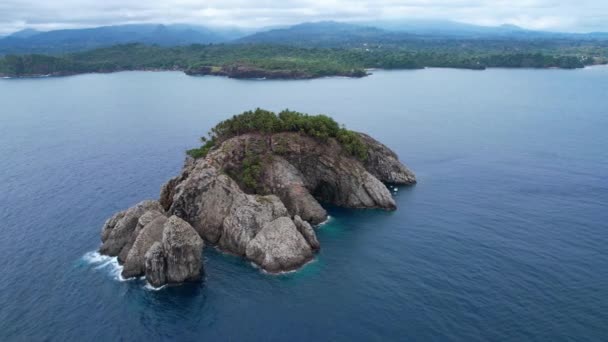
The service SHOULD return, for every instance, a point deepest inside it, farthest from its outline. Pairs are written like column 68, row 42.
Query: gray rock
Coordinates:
column 141, row 222
column 183, row 251
column 152, row 232
column 285, row 181
column 246, row 218
column 335, row 177
column 384, row 163
column 155, row 265
column 168, row 190
column 279, row 246
column 110, row 224
column 307, row 232
column 119, row 229
column 204, row 198
column 301, row 166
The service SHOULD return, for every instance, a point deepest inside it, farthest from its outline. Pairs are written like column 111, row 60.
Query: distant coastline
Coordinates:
column 263, row 61
column 260, row 74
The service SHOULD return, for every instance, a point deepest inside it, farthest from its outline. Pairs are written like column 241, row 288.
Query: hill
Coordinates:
column 62, row 41
column 405, row 33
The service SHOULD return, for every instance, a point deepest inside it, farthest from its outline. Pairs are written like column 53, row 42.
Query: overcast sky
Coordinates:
column 555, row 15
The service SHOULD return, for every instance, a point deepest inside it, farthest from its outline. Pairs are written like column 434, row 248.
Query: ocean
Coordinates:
column 503, row 238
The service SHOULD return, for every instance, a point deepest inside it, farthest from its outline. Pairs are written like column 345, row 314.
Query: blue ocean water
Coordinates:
column 503, row 239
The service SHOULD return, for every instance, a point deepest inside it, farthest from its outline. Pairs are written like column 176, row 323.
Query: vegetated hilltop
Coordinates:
column 254, row 189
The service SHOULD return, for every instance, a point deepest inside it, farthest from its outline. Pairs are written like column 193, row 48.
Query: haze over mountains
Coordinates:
column 60, row 41
column 326, row 33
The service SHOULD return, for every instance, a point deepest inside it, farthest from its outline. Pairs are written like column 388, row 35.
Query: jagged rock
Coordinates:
column 284, row 180
column 152, row 232
column 327, row 171
column 143, row 220
column 204, row 198
column 155, row 265
column 384, row 163
column 331, row 174
column 119, row 229
column 167, row 191
column 249, row 213
column 279, row 246
column 110, row 224
column 183, row 251
column 307, row 232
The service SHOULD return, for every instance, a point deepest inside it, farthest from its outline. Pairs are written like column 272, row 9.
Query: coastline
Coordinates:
column 260, row 74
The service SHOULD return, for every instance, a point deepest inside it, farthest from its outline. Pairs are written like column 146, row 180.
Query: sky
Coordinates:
column 551, row 15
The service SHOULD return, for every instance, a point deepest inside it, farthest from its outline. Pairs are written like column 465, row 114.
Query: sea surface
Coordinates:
column 504, row 238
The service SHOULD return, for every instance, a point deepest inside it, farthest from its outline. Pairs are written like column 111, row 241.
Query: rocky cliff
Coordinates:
column 254, row 195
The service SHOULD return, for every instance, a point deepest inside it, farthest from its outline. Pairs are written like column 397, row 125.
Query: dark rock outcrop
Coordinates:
column 307, row 232
column 267, row 222
column 155, row 266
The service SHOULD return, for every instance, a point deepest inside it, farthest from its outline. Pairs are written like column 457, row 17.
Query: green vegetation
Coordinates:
column 251, row 171
column 311, row 62
column 321, row 127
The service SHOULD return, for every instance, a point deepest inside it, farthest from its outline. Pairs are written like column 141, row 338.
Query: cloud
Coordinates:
column 582, row 15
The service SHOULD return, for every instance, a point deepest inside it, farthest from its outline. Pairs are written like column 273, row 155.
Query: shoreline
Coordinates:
column 278, row 75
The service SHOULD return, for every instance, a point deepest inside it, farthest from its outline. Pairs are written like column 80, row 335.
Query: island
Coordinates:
column 255, row 189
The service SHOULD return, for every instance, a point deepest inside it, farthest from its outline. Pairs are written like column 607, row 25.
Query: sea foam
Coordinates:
column 324, row 222
column 114, row 269
column 152, row 288
column 104, row 262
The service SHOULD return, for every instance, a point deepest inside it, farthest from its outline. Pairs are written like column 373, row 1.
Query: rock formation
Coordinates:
column 267, row 219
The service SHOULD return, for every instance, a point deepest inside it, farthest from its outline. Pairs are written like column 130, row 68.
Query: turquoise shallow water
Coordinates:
column 503, row 239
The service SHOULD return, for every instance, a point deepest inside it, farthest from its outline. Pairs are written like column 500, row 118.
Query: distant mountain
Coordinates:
column 416, row 34
column 319, row 34
column 598, row 35
column 330, row 33
column 443, row 28
column 458, row 30
column 60, row 41
column 26, row 33
column 402, row 32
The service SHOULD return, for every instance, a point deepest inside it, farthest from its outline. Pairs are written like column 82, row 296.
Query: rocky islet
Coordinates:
column 271, row 224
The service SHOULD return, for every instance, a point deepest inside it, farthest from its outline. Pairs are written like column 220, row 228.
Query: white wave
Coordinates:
column 104, row 262
column 282, row 272
column 152, row 288
column 324, row 222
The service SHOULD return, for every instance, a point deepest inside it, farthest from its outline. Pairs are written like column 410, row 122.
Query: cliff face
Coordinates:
column 255, row 196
